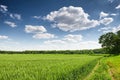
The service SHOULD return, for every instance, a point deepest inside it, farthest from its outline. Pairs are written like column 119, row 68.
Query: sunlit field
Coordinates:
column 108, row 68
column 114, row 65
column 46, row 66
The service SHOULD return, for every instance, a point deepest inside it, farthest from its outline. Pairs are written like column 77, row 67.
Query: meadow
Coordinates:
column 59, row 67
column 114, row 66
column 108, row 68
column 46, row 66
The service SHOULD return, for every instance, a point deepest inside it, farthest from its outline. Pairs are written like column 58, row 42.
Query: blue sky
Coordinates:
column 56, row 24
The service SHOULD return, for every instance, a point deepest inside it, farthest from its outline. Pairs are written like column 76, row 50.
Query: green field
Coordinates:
column 107, row 69
column 114, row 66
column 46, row 66
column 58, row 67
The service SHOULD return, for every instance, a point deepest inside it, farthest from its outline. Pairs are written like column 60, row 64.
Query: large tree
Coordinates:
column 111, row 42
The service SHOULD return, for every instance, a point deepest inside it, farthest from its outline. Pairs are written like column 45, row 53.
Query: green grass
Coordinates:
column 46, row 66
column 108, row 69
column 101, row 73
column 114, row 65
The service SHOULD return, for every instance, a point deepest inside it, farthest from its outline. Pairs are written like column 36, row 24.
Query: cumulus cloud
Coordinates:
column 39, row 32
column 43, row 36
column 106, row 21
column 103, row 14
column 11, row 24
column 71, row 19
column 3, row 37
column 3, row 8
column 118, row 7
column 71, row 42
column 34, row 29
column 15, row 16
column 70, row 38
column 110, row 29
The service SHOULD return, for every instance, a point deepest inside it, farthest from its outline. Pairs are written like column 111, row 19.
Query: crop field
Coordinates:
column 46, row 66
column 114, row 66
column 108, row 68
column 59, row 67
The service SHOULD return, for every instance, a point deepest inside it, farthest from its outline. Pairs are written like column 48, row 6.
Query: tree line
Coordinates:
column 94, row 51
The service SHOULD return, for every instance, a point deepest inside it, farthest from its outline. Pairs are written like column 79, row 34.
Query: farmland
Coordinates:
column 114, row 66
column 46, row 66
column 107, row 69
column 59, row 67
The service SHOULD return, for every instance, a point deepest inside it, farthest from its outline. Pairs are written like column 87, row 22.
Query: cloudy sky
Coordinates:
column 56, row 24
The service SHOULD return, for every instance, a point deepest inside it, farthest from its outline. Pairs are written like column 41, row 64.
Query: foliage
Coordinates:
column 110, row 42
column 94, row 51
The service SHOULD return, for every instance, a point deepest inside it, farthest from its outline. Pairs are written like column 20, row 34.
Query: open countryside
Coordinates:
column 60, row 40
column 59, row 66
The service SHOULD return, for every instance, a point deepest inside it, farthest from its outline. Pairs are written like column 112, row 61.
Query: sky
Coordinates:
column 56, row 24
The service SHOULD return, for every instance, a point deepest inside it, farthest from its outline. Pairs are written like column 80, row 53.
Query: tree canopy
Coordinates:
column 111, row 42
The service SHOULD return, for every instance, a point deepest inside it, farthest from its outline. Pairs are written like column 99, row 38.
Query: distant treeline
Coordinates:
column 94, row 51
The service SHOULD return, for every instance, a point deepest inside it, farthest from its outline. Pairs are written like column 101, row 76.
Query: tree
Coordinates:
column 111, row 42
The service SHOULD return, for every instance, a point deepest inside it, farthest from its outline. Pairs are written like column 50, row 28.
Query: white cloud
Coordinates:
column 110, row 29
column 61, row 45
column 72, row 38
column 39, row 32
column 53, row 46
column 11, row 45
column 75, row 46
column 89, row 45
column 118, row 7
column 106, row 15
column 37, row 17
column 115, row 29
column 3, row 37
column 12, row 24
column 35, row 29
column 43, row 36
column 3, row 8
column 71, row 19
column 113, row 14
column 103, row 14
column 106, row 21
column 55, row 42
column 105, row 29
column 15, row 16
column 70, row 42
